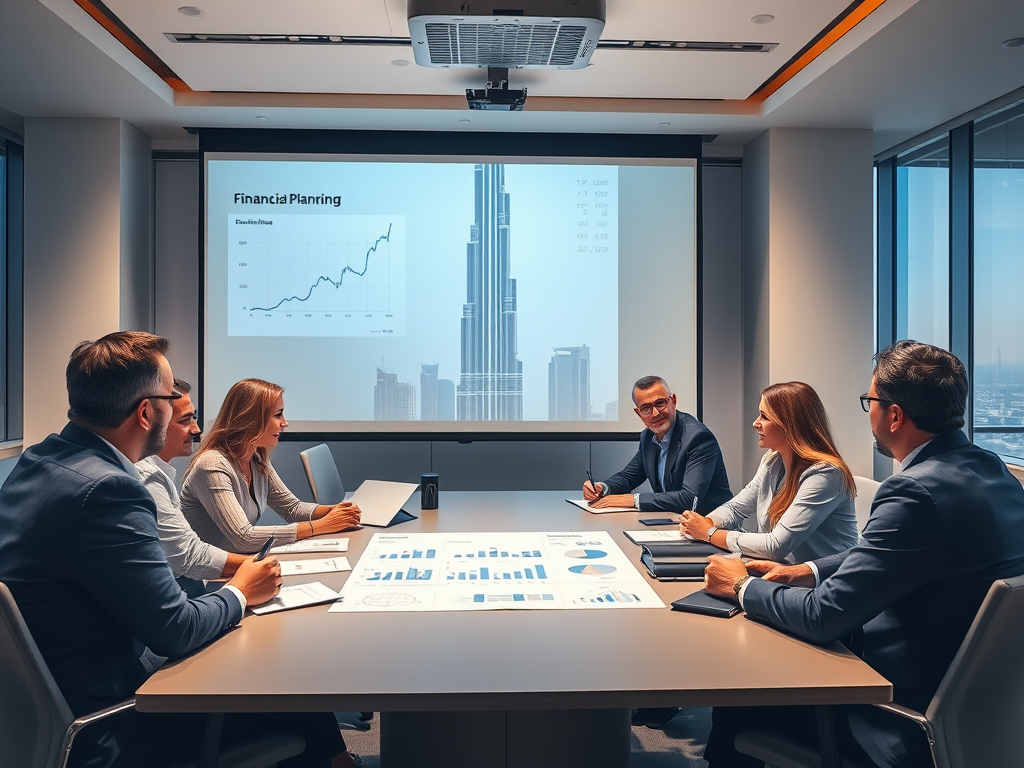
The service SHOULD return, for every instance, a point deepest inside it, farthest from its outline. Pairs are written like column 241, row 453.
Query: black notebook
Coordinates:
column 701, row 602
column 677, row 560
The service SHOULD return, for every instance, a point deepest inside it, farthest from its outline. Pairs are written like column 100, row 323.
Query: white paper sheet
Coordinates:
column 643, row 537
column 494, row 571
column 380, row 500
column 311, row 546
column 296, row 596
column 328, row 565
column 600, row 511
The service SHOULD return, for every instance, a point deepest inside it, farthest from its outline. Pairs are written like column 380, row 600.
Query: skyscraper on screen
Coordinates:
column 491, row 385
column 393, row 400
column 569, row 384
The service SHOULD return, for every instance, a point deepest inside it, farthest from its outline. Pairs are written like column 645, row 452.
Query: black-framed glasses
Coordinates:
column 172, row 396
column 865, row 402
column 648, row 408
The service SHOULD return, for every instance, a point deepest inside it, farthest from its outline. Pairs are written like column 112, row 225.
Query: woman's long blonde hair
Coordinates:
column 798, row 411
column 242, row 418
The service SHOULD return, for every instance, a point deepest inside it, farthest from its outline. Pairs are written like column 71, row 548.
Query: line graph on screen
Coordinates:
column 316, row 275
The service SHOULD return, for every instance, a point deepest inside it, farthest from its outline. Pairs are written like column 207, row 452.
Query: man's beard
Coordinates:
column 883, row 448
column 155, row 441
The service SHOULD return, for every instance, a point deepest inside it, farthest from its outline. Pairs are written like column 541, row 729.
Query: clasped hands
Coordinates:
column 723, row 572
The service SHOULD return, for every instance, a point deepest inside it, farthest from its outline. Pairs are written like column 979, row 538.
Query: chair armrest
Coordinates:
column 80, row 723
column 916, row 717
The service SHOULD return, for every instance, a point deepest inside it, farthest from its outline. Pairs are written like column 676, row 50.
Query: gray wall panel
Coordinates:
column 501, row 466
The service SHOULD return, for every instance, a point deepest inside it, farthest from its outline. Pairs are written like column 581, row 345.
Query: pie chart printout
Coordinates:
column 592, row 570
column 586, row 554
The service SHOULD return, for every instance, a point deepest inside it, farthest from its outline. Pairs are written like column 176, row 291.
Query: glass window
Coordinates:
column 998, row 280
column 922, row 243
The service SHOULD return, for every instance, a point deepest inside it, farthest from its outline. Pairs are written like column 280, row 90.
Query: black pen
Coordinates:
column 264, row 550
column 593, row 485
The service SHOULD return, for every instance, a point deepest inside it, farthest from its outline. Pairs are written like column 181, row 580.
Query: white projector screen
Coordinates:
column 414, row 294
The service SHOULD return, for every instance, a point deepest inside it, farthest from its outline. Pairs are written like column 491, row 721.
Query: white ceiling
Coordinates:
column 909, row 67
column 291, row 68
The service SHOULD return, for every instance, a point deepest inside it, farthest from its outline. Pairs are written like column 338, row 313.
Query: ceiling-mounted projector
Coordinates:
column 536, row 34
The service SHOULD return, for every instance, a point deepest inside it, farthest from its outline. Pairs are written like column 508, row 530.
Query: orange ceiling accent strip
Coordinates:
column 844, row 25
column 102, row 15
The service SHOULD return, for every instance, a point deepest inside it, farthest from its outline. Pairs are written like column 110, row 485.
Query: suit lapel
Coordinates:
column 675, row 444
column 650, row 452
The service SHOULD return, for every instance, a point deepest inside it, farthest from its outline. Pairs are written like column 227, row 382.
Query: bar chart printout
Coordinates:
column 494, row 571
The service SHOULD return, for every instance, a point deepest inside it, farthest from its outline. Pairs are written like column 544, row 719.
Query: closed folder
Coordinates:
column 677, row 561
column 701, row 602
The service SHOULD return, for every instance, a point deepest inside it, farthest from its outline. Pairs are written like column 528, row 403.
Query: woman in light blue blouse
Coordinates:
column 802, row 493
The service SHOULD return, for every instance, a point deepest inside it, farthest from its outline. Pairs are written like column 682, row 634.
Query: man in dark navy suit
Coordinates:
column 681, row 459
column 80, row 552
column 941, row 530
column 677, row 453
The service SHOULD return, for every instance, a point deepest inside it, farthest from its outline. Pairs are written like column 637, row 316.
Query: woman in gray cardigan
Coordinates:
column 802, row 493
column 231, row 478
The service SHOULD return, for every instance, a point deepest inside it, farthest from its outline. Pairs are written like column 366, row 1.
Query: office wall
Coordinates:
column 87, row 256
column 723, row 314
column 807, row 275
column 482, row 464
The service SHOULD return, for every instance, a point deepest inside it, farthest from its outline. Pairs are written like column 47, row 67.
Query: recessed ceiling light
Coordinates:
column 262, row 117
column 191, row 10
column 401, row 62
column 1013, row 42
column 762, row 18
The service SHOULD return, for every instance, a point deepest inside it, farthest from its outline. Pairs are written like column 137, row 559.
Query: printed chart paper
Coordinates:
column 494, row 571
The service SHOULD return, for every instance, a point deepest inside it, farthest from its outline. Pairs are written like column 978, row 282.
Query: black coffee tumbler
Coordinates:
column 428, row 490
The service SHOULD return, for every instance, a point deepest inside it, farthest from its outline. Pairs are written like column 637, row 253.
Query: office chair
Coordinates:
column 37, row 728
column 866, row 490
column 322, row 474
column 975, row 717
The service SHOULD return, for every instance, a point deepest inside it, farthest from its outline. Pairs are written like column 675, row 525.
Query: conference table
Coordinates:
column 509, row 688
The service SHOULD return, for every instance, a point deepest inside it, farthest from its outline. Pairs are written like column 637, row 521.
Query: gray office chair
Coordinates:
column 322, row 474
column 866, row 490
column 37, row 728
column 975, row 717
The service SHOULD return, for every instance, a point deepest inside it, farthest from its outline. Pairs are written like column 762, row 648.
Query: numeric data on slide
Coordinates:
column 316, row 275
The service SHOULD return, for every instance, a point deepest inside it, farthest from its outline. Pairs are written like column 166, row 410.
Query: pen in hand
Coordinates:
column 263, row 550
column 593, row 486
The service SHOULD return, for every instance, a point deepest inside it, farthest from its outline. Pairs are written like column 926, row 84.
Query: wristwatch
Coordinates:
column 738, row 586
column 711, row 531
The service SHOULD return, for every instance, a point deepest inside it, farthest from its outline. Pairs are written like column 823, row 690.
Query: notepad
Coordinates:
column 328, row 565
column 600, row 511
column 645, row 537
column 311, row 546
column 296, row 596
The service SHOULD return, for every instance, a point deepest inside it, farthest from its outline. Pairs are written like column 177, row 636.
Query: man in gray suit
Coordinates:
column 941, row 530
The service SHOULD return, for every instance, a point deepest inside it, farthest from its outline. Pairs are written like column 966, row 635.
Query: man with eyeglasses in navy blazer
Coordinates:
column 677, row 453
column 941, row 530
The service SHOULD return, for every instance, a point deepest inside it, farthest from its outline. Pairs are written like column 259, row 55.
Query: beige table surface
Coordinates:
column 311, row 660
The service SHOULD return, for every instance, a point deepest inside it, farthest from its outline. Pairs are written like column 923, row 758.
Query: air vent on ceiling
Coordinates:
column 447, row 33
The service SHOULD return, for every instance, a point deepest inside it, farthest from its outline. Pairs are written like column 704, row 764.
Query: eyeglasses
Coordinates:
column 648, row 408
column 865, row 402
column 172, row 396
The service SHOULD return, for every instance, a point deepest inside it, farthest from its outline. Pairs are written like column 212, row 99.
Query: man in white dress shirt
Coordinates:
column 191, row 559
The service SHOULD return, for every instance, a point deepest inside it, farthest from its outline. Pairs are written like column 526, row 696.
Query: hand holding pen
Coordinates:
column 593, row 493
